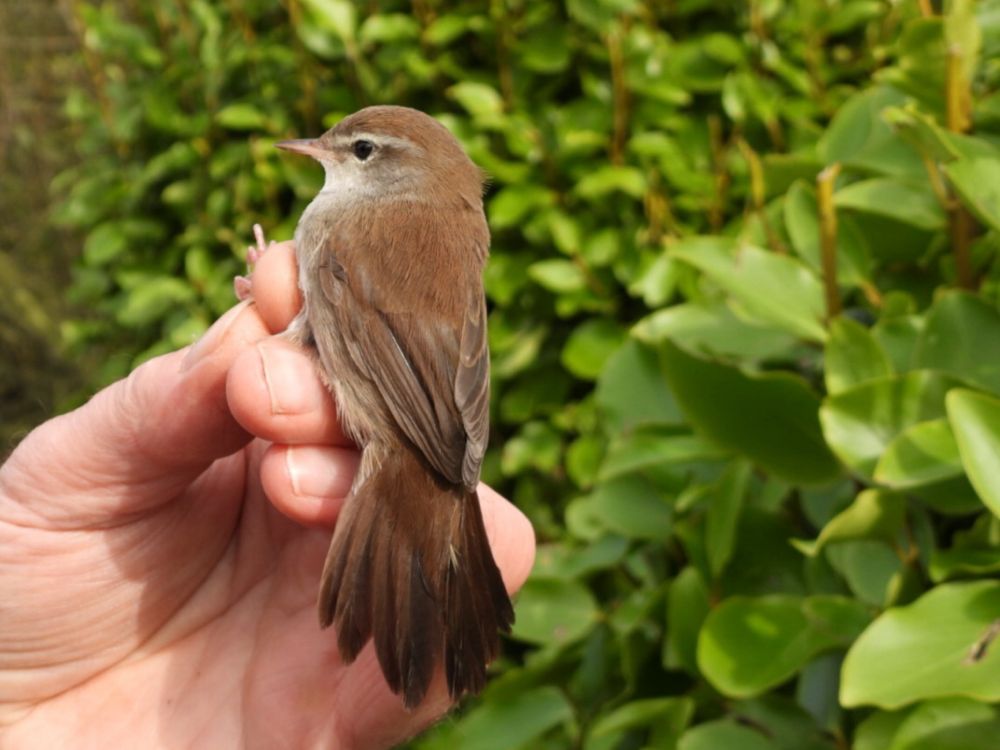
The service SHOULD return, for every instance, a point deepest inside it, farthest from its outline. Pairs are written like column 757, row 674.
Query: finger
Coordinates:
column 511, row 535
column 150, row 433
column 275, row 286
column 308, row 483
column 275, row 392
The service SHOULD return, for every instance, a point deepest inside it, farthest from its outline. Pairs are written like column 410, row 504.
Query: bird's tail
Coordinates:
column 410, row 566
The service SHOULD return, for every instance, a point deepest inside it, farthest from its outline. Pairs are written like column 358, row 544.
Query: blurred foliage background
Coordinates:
column 744, row 319
column 36, row 54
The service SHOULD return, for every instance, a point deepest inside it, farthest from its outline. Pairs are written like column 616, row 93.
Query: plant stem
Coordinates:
column 658, row 212
column 620, row 97
column 758, row 196
column 956, row 93
column 505, row 73
column 242, row 20
column 828, row 237
column 960, row 223
column 960, row 227
column 716, row 211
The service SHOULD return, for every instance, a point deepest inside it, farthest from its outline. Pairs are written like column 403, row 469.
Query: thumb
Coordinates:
column 142, row 438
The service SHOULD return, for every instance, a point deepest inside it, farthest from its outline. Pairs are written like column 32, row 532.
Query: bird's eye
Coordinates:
column 362, row 149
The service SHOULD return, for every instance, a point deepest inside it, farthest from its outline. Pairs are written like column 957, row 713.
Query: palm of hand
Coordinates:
column 153, row 594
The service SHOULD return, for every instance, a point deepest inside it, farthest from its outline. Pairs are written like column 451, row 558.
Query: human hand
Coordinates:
column 160, row 549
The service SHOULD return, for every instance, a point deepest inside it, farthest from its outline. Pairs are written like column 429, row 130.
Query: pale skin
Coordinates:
column 160, row 549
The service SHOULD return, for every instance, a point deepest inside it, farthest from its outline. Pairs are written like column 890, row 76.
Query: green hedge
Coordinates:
column 744, row 327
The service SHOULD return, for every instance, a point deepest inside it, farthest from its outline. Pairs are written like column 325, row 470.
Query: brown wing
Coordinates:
column 472, row 391
column 432, row 369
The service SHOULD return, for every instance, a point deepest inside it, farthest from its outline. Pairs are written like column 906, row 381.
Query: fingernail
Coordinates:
column 211, row 339
column 320, row 472
column 289, row 391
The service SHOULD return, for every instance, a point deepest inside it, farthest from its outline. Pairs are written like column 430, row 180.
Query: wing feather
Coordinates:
column 431, row 372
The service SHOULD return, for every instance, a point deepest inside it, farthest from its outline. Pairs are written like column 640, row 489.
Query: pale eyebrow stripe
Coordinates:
column 378, row 139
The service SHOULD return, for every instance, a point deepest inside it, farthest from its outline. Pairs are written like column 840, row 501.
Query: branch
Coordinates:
column 828, row 237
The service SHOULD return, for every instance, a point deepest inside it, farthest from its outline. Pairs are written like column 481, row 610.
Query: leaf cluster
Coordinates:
column 743, row 319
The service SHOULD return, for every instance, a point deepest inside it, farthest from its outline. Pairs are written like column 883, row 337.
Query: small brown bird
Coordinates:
column 391, row 254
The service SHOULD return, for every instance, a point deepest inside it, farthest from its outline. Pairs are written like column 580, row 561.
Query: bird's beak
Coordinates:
column 308, row 146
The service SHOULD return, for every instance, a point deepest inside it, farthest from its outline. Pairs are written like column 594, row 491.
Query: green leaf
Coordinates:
column 553, row 611
column 851, row 15
column 785, row 719
column 923, row 60
column 871, row 569
column 105, row 242
column 673, row 712
column 606, row 180
column 816, row 690
column 749, row 645
column 923, row 133
column 875, row 514
column 923, row 650
column 769, row 418
column 977, row 182
column 772, row 288
column 853, row 356
column 899, row 337
column 959, row 337
column 511, row 721
column 649, row 447
column 338, row 16
column 955, row 497
column 948, row 724
column 912, row 203
column 975, row 418
column 180, row 194
column 859, row 423
column 724, row 514
column 632, row 507
column 545, row 49
column 537, row 445
column 590, row 345
column 505, row 276
column 963, row 562
column 632, row 391
column 445, row 29
column 389, row 28
column 713, row 330
column 583, row 459
column 241, row 116
column 921, row 454
column 481, row 101
column 566, row 560
column 858, row 138
column 687, row 608
column 724, row 734
column 514, row 348
column 558, row 275
column 566, row 232
column 876, row 731
column 151, row 298
column 514, row 203
column 533, row 396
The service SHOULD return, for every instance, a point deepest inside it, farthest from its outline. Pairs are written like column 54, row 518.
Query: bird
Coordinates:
column 390, row 255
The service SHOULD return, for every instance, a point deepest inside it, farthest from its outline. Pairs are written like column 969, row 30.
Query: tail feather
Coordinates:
column 477, row 605
column 410, row 566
